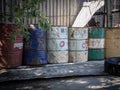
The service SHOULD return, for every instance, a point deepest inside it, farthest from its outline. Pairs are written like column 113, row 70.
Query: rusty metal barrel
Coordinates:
column 96, row 43
column 57, row 45
column 78, row 45
column 10, row 52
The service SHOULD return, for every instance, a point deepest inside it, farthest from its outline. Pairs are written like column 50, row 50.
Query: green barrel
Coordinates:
column 96, row 54
column 96, row 33
column 96, row 43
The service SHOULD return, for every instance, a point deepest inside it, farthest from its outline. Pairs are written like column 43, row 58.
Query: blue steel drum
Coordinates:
column 37, row 39
column 35, row 47
column 36, row 57
column 36, row 44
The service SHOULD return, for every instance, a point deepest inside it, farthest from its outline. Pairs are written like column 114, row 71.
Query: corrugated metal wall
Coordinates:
column 63, row 12
column 60, row 12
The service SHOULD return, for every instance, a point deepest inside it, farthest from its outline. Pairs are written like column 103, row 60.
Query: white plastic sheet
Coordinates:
column 86, row 13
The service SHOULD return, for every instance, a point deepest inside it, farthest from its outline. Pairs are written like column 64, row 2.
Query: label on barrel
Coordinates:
column 78, row 44
column 18, row 45
column 96, row 43
column 57, row 44
column 78, row 33
column 57, row 32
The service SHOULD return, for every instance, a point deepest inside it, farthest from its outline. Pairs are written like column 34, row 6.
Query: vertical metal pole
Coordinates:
column 109, row 13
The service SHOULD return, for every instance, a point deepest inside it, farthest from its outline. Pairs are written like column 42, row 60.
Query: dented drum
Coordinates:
column 78, row 44
column 57, row 45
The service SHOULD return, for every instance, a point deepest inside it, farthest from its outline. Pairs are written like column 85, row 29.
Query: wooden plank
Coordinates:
column 53, row 71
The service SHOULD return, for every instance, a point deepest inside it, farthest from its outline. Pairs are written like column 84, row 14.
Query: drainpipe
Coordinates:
column 109, row 13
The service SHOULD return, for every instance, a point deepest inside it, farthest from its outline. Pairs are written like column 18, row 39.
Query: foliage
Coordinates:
column 27, row 8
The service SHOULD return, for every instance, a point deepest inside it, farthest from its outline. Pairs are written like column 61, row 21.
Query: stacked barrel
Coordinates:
column 78, row 45
column 96, row 43
column 35, row 48
column 57, row 45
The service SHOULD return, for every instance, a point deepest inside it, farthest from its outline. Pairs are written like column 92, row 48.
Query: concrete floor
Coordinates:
column 69, row 83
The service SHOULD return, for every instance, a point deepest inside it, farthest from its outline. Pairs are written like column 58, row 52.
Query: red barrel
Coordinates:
column 10, row 52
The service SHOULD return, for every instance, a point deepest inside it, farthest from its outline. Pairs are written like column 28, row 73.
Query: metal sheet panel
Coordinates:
column 59, row 12
column 112, row 43
column 57, row 32
column 78, row 44
column 113, row 33
column 95, row 54
column 112, row 52
column 96, row 43
column 96, row 32
column 57, row 44
column 78, row 33
column 57, row 57
column 78, row 56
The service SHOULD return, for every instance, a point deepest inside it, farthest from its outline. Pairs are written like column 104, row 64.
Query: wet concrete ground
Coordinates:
column 69, row 83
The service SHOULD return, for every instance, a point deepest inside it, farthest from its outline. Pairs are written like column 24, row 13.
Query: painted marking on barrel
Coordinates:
column 84, row 45
column 62, row 43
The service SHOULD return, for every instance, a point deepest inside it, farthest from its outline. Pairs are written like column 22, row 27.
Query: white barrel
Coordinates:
column 57, row 45
column 78, row 45
column 78, row 33
column 78, row 56
column 58, row 56
column 57, row 33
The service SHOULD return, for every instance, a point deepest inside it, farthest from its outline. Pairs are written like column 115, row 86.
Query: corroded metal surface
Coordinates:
column 112, row 42
column 78, row 56
column 58, row 56
column 78, row 33
column 57, row 32
column 78, row 44
column 57, row 45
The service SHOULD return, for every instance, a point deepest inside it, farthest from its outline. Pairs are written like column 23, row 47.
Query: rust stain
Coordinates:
column 72, row 35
